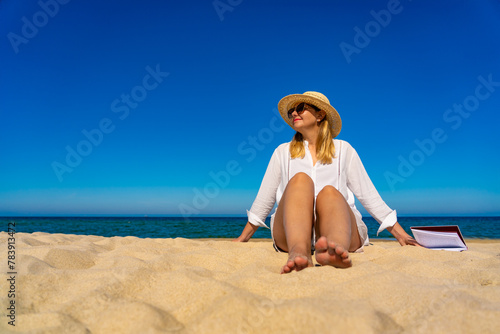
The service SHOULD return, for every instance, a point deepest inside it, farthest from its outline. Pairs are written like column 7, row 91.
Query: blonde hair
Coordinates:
column 325, row 149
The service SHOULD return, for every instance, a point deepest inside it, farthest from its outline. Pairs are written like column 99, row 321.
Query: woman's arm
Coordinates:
column 247, row 233
column 360, row 184
column 400, row 234
column 266, row 196
column 265, row 200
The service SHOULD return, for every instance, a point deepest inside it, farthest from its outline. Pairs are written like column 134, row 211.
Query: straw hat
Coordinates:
column 316, row 99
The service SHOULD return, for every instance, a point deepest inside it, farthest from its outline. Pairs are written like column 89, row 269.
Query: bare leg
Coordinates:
column 336, row 229
column 293, row 222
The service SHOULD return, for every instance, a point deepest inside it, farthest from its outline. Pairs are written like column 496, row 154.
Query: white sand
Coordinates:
column 90, row 284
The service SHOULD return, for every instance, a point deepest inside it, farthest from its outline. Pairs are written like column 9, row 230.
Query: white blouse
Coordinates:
column 346, row 173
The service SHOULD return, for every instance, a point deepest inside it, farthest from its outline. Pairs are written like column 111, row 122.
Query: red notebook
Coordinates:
column 440, row 237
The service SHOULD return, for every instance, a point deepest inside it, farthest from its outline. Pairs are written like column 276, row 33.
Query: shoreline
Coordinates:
column 374, row 239
column 467, row 240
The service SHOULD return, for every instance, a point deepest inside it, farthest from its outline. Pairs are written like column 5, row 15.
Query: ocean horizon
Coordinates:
column 482, row 227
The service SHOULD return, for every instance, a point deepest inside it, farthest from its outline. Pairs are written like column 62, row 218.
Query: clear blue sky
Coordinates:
column 135, row 107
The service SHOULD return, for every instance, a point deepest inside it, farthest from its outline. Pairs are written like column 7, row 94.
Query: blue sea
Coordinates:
column 219, row 227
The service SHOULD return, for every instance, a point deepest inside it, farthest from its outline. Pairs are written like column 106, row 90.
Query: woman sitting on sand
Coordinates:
column 312, row 179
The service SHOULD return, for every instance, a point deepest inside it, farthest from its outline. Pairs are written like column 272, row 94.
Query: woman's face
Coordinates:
column 304, row 117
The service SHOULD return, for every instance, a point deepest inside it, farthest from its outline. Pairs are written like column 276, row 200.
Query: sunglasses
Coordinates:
column 300, row 108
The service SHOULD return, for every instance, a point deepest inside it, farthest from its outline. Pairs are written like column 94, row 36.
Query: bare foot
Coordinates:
column 330, row 254
column 296, row 261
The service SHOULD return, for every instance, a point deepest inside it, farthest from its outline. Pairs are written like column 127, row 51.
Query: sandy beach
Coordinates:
column 91, row 284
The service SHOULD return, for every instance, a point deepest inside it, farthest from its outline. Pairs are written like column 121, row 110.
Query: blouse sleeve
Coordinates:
column 360, row 184
column 266, row 197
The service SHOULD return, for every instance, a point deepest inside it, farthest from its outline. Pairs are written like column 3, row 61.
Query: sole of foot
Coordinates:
column 296, row 262
column 328, row 253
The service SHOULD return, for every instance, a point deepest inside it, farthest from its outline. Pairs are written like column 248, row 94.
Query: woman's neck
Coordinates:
column 311, row 137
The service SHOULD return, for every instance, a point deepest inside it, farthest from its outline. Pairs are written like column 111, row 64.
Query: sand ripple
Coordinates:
column 91, row 284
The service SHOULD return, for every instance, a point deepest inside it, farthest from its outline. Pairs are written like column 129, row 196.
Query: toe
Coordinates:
column 300, row 263
column 339, row 250
column 321, row 244
column 331, row 251
column 331, row 248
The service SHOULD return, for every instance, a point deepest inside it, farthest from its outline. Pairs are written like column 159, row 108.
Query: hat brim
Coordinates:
column 292, row 100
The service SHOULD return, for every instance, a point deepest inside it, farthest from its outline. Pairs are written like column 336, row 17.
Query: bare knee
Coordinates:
column 301, row 178
column 329, row 193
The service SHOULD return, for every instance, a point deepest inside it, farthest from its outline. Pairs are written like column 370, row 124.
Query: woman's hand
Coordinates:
column 247, row 233
column 404, row 238
column 408, row 240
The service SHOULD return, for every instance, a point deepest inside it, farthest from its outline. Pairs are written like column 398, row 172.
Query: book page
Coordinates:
column 438, row 239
